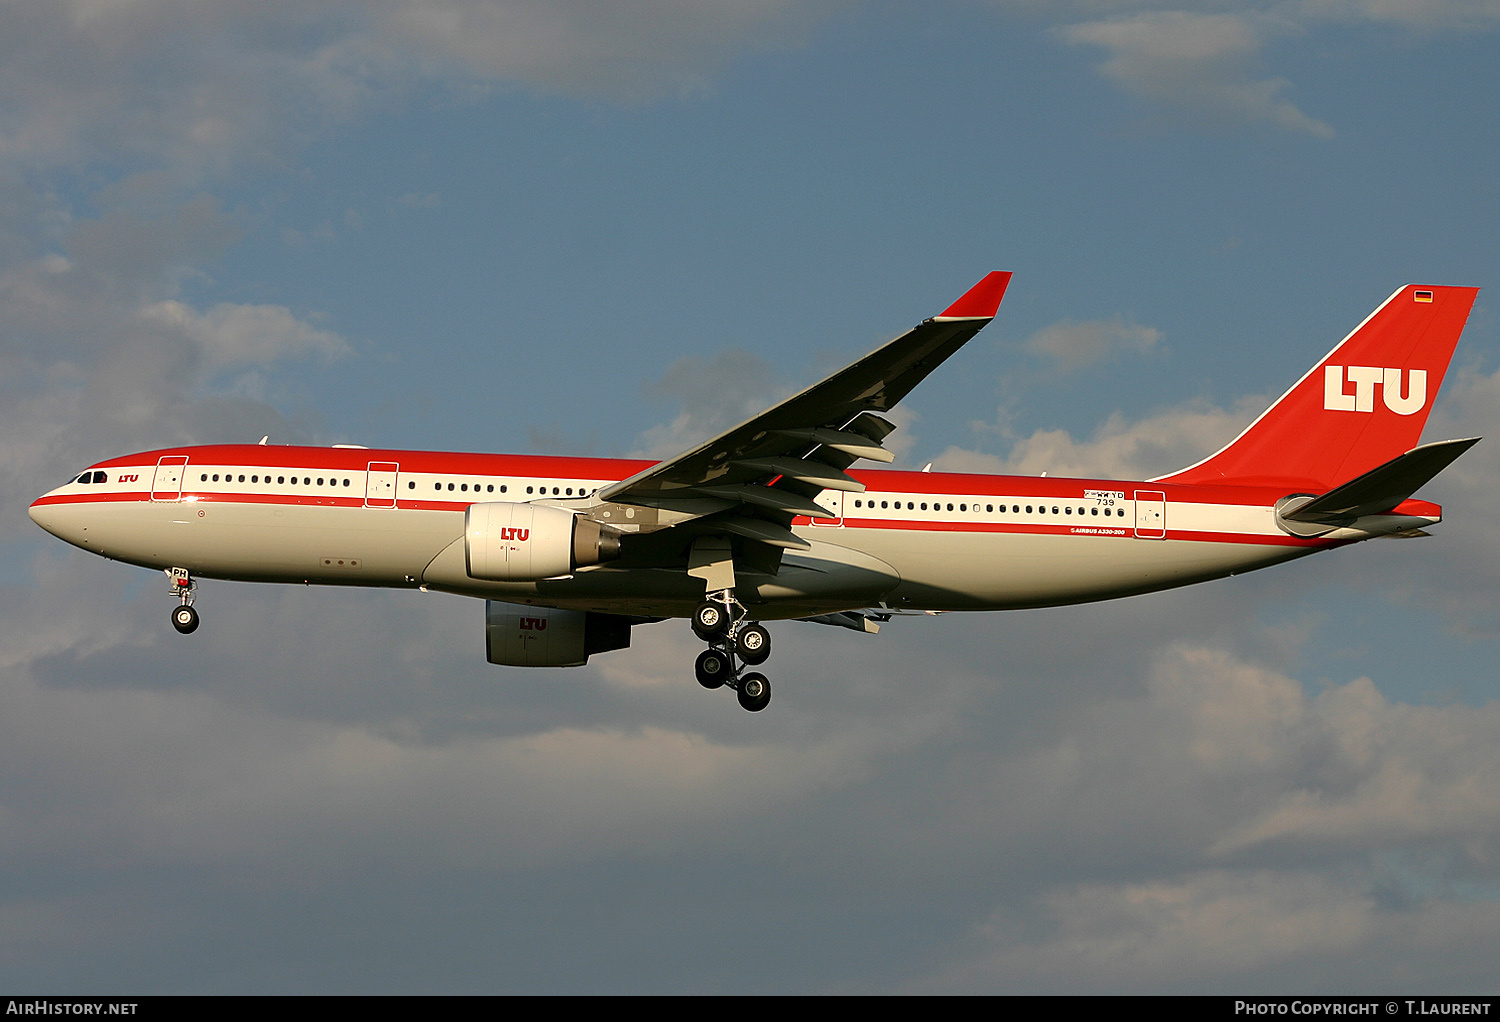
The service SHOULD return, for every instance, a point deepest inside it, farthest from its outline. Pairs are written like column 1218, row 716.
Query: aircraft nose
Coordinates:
column 46, row 515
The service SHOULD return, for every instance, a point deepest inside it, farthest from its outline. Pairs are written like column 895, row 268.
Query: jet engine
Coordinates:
column 509, row 542
column 517, row 636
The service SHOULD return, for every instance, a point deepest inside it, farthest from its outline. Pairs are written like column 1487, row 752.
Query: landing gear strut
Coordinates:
column 184, row 618
column 721, row 621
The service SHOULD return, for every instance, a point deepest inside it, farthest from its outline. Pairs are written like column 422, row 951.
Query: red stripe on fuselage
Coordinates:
column 562, row 470
column 900, row 525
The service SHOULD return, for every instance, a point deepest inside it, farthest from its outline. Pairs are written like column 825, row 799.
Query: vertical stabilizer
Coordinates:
column 1362, row 405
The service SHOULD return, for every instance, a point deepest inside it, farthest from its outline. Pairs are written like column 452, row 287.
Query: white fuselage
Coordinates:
column 928, row 541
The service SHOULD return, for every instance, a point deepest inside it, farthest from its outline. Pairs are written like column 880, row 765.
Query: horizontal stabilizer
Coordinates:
column 1381, row 489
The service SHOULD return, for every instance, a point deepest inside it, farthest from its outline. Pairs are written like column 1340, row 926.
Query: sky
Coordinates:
column 611, row 229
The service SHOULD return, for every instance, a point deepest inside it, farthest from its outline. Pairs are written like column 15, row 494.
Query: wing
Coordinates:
column 752, row 480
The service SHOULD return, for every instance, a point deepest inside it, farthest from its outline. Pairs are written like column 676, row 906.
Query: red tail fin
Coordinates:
column 1362, row 405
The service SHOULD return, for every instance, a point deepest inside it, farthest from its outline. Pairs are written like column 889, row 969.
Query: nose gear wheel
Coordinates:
column 184, row 618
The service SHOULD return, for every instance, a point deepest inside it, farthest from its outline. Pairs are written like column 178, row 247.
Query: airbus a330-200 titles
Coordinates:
column 771, row 521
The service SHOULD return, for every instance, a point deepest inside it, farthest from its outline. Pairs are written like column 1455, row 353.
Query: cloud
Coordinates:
column 234, row 335
column 1421, row 14
column 1119, row 449
column 1262, row 931
column 715, row 394
column 113, row 359
column 420, row 200
column 634, row 51
column 203, row 88
column 1134, row 935
column 1195, row 63
column 1247, row 818
column 1073, row 344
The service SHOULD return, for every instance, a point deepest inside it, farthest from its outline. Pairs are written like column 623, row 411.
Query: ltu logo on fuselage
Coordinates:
column 1365, row 380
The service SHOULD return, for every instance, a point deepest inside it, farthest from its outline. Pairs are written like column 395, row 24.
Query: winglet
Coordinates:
column 981, row 301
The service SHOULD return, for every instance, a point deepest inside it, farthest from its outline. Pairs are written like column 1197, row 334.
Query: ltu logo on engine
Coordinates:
column 520, row 534
column 1365, row 380
column 533, row 624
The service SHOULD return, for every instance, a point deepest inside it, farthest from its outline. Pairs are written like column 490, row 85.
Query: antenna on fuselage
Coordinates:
column 264, row 439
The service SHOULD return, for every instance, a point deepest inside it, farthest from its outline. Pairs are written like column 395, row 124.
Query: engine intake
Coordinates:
column 509, row 542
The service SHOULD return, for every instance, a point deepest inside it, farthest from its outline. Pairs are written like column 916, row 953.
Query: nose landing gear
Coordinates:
column 184, row 618
column 721, row 621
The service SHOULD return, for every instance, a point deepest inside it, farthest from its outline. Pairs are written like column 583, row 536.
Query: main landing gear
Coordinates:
column 184, row 618
column 720, row 621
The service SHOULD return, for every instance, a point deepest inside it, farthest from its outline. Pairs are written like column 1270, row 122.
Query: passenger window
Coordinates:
column 464, row 487
column 502, row 488
column 490, row 488
column 411, row 485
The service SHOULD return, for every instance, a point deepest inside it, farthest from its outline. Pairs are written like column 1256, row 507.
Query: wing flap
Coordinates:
column 804, row 470
column 769, row 497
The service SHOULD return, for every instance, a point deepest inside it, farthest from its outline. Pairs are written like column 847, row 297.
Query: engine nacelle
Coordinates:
column 509, row 542
column 518, row 636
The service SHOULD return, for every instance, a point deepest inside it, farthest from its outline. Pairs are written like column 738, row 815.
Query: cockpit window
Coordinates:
column 84, row 478
column 101, row 477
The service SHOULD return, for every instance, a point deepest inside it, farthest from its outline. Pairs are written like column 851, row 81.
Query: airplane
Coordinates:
column 770, row 521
